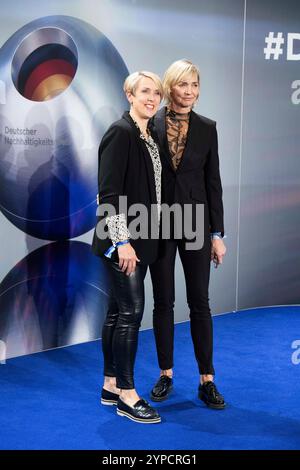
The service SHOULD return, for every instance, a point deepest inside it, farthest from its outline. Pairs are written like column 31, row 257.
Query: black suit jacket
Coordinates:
column 126, row 169
column 197, row 178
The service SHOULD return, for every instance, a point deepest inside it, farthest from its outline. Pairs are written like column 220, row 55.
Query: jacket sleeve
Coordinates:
column 214, row 186
column 113, row 162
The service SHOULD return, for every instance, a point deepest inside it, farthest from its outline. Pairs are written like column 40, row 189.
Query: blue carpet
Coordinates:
column 51, row 400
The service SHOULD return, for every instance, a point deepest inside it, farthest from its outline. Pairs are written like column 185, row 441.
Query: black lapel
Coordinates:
column 160, row 129
column 146, row 155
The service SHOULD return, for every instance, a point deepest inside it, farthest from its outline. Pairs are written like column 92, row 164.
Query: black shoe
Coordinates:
column 141, row 412
column 109, row 398
column 162, row 388
column 208, row 393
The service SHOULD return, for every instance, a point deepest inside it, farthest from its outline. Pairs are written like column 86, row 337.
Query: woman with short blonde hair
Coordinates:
column 134, row 78
column 129, row 166
column 190, row 163
column 175, row 73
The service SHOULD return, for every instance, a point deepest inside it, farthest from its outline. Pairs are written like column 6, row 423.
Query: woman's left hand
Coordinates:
column 218, row 250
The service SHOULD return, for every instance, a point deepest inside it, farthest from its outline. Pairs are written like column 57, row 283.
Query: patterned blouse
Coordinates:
column 116, row 224
column 177, row 126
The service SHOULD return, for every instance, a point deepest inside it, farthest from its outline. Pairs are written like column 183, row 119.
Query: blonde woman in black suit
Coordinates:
column 189, row 149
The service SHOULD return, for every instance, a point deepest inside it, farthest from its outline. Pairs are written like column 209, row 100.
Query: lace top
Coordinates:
column 177, row 126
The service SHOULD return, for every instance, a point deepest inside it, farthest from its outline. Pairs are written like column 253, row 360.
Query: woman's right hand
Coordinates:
column 127, row 258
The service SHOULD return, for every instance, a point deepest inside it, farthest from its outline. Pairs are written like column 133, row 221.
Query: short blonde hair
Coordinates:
column 175, row 73
column 132, row 81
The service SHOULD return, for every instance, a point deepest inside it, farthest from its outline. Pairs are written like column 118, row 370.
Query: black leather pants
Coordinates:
column 121, row 327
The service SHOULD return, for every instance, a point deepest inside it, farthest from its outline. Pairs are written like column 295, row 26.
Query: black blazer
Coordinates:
column 197, row 178
column 126, row 169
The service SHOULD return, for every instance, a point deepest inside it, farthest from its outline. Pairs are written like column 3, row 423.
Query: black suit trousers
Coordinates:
column 196, row 266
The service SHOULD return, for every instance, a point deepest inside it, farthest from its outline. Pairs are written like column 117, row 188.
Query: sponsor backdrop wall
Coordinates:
column 62, row 65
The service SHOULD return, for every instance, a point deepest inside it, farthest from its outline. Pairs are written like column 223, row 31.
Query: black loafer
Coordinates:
column 109, row 398
column 141, row 412
column 209, row 394
column 162, row 388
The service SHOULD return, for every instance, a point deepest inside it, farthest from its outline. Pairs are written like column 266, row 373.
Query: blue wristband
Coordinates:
column 110, row 250
column 124, row 242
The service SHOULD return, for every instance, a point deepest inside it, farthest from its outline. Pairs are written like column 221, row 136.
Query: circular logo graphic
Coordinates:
column 63, row 82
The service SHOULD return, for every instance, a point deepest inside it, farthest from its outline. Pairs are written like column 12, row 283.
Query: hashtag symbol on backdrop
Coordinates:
column 274, row 46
